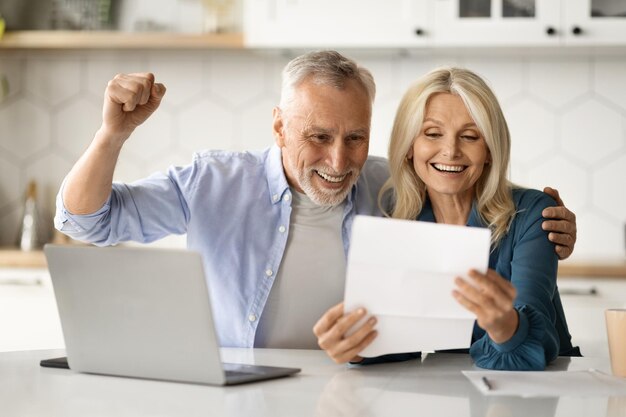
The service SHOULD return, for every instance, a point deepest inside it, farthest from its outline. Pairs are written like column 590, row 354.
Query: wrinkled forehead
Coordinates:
column 328, row 107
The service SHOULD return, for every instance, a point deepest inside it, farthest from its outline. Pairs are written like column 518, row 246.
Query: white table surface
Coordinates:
column 433, row 386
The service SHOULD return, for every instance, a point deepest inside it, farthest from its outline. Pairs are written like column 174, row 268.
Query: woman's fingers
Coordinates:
column 486, row 292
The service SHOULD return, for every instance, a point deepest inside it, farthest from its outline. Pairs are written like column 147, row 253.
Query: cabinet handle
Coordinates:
column 577, row 30
column 590, row 292
column 550, row 31
column 419, row 32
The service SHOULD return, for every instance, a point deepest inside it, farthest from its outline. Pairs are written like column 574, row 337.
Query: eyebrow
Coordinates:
column 437, row 122
column 318, row 129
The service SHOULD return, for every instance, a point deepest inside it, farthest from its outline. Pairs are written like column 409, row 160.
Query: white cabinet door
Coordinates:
column 336, row 24
column 584, row 302
column 594, row 22
column 497, row 22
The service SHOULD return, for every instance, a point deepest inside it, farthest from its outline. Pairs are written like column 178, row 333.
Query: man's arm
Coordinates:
column 128, row 101
column 562, row 226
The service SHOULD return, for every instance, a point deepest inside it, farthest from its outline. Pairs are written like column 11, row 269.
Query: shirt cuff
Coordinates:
column 520, row 335
column 65, row 221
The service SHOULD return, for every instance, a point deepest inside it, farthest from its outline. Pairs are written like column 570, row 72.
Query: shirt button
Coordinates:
column 287, row 197
column 252, row 317
column 275, row 197
column 269, row 272
column 282, row 229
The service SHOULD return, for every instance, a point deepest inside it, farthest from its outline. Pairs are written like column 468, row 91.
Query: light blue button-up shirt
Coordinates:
column 232, row 206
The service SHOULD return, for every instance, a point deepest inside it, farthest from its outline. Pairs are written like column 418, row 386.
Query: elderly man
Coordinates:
column 273, row 226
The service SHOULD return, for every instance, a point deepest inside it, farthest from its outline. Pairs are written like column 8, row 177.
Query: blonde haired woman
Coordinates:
column 449, row 158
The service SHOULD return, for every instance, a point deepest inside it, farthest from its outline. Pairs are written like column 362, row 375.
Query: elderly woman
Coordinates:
column 449, row 158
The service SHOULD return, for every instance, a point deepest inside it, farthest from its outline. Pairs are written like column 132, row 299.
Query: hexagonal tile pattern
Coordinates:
column 504, row 75
column 153, row 137
column 206, row 125
column 609, row 187
column 382, row 71
column 24, row 128
column 383, row 115
column 256, row 124
column 75, row 126
column 9, row 187
column 591, row 132
column 412, row 67
column 564, row 175
column 559, row 81
column 532, row 128
column 48, row 172
column 237, row 78
column 53, row 80
column 128, row 169
column 183, row 78
column 598, row 236
column 609, row 80
column 12, row 71
column 518, row 173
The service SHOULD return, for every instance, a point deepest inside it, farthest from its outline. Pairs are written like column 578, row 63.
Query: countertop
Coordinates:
column 15, row 258
column 578, row 268
column 429, row 387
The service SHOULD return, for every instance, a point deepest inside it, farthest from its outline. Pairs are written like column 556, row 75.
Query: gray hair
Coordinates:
column 326, row 68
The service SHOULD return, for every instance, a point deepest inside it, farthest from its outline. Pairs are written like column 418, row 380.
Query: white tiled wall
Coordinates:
column 567, row 115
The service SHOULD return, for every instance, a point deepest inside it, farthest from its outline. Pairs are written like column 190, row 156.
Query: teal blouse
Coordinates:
column 526, row 258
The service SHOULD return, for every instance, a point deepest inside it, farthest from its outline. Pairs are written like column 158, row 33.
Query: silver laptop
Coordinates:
column 141, row 313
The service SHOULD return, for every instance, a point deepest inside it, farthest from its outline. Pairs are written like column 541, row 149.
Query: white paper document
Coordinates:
column 403, row 273
column 591, row 383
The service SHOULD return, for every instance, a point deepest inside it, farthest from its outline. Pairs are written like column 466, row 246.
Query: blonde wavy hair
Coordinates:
column 403, row 195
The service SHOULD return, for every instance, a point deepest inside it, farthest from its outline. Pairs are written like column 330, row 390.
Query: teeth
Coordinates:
column 449, row 168
column 331, row 178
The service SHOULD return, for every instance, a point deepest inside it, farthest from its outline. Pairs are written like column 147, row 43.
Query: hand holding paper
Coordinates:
column 403, row 273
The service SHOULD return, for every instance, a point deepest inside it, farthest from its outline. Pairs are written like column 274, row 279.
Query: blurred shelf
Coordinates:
column 593, row 268
column 119, row 40
column 14, row 258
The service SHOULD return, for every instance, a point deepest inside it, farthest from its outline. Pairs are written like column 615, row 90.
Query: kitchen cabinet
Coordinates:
column 28, row 311
column 594, row 22
column 584, row 301
column 433, row 23
column 497, row 22
column 530, row 22
column 336, row 24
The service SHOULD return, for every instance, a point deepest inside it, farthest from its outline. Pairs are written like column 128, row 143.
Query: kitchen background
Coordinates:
column 566, row 108
column 567, row 116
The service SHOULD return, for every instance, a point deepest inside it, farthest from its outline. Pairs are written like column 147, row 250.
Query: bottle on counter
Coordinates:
column 29, row 238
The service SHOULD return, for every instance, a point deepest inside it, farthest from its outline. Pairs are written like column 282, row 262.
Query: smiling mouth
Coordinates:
column 449, row 168
column 335, row 179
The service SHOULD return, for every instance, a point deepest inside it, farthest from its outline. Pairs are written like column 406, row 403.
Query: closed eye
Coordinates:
column 433, row 135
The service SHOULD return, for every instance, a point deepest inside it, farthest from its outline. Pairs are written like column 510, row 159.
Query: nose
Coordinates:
column 338, row 156
column 451, row 147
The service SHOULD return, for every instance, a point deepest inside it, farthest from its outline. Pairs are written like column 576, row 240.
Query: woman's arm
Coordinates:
column 534, row 341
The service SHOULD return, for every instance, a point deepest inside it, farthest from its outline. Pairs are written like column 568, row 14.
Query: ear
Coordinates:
column 278, row 127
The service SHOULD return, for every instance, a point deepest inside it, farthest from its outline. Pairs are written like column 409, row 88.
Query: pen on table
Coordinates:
column 486, row 383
